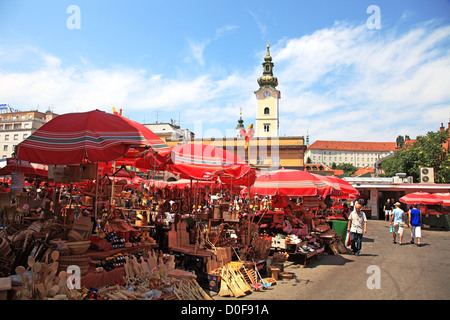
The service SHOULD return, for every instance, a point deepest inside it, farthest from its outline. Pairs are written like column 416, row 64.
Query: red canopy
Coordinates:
column 421, row 198
column 206, row 162
column 445, row 197
column 345, row 187
column 29, row 169
column 287, row 182
column 94, row 136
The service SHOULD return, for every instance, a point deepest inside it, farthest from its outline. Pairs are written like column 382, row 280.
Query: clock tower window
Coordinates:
column 266, row 110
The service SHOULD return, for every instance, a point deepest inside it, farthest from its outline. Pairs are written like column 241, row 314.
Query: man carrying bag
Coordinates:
column 357, row 226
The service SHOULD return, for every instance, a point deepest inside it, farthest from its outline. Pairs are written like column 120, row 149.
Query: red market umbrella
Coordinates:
column 27, row 168
column 287, row 182
column 205, row 162
column 420, row 198
column 345, row 187
column 445, row 197
column 94, row 136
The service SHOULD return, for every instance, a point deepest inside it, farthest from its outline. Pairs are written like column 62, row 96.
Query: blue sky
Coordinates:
column 197, row 62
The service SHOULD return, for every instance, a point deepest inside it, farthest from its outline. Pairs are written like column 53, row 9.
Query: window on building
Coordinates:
column 266, row 127
column 266, row 110
column 16, row 136
column 5, row 147
column 6, row 137
column 25, row 135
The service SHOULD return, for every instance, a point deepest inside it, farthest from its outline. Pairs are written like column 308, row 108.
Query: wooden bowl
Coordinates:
column 78, row 247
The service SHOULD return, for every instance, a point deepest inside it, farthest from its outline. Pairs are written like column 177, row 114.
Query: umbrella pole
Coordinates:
column 96, row 192
column 112, row 187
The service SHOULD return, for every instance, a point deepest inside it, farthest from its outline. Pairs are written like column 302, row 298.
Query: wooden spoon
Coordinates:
column 55, row 255
column 53, row 291
column 42, row 292
column 20, row 271
column 30, row 263
column 62, row 282
column 50, row 279
column 36, row 268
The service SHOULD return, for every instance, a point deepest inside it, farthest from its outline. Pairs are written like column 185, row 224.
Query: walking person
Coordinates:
column 415, row 219
column 387, row 210
column 397, row 222
column 357, row 226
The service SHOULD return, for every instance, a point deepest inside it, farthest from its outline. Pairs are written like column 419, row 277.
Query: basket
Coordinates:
column 78, row 247
column 78, row 260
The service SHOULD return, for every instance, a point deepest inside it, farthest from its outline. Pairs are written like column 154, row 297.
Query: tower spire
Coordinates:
column 268, row 80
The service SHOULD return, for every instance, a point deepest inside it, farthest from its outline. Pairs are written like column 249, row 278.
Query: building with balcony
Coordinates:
column 16, row 126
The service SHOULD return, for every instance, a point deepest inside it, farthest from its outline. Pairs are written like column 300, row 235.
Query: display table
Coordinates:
column 441, row 221
column 100, row 279
column 186, row 258
column 305, row 257
column 339, row 226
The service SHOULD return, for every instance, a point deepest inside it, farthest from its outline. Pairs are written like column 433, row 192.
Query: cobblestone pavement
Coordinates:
column 383, row 271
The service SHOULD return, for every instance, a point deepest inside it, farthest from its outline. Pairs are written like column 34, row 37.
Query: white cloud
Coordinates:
column 347, row 82
column 261, row 26
column 339, row 83
column 197, row 47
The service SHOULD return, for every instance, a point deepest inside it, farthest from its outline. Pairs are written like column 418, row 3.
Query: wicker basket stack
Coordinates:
column 81, row 261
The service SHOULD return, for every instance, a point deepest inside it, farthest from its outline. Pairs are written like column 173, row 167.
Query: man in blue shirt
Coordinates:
column 397, row 222
column 415, row 218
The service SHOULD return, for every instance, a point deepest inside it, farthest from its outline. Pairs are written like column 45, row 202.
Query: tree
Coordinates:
column 427, row 151
column 348, row 168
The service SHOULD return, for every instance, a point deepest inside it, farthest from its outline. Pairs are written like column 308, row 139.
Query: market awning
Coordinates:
column 445, row 197
column 287, row 182
column 205, row 162
column 94, row 136
column 27, row 168
column 421, row 198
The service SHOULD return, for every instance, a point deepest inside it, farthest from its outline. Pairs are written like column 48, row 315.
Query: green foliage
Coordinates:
column 427, row 151
column 348, row 168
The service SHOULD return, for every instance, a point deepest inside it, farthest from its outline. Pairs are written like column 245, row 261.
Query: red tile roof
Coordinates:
column 363, row 171
column 353, row 146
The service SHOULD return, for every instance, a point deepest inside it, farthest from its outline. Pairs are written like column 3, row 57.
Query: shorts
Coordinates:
column 398, row 227
column 416, row 232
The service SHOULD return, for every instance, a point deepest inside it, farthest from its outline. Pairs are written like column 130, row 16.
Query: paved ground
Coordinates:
column 406, row 272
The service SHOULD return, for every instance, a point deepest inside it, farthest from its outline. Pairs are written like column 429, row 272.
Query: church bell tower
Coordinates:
column 267, row 112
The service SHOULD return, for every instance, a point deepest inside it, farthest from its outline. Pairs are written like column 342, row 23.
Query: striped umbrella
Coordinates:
column 445, row 197
column 421, row 198
column 205, row 162
column 27, row 168
column 345, row 187
column 287, row 182
column 94, row 136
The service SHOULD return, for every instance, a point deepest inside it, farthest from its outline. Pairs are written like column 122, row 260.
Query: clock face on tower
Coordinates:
column 266, row 94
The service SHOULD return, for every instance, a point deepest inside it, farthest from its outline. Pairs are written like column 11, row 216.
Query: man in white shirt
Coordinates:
column 357, row 226
column 396, row 222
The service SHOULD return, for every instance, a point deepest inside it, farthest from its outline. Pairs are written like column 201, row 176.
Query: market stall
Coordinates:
column 133, row 238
